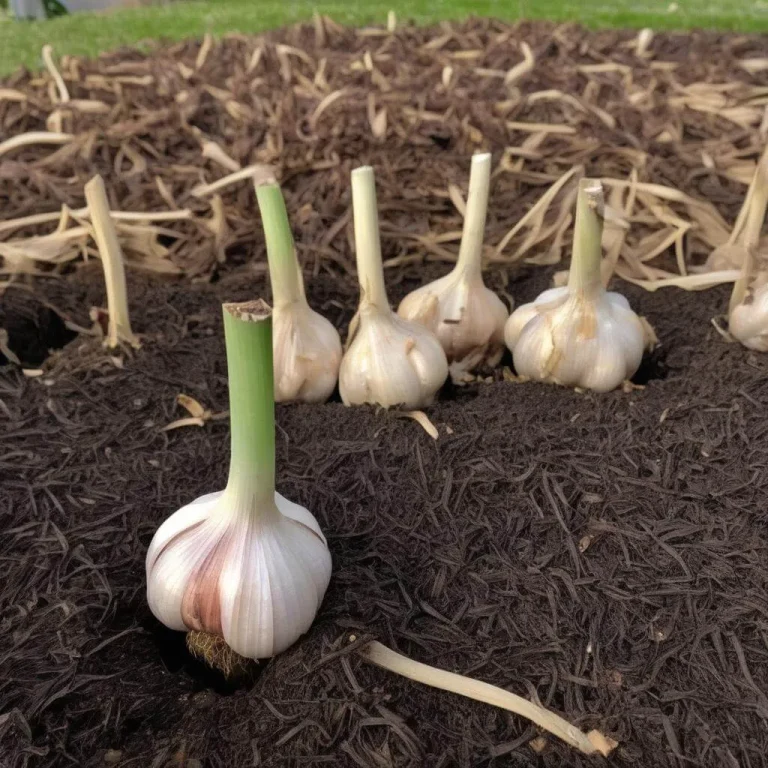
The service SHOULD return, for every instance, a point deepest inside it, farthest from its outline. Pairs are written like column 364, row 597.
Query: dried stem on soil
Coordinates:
column 590, row 744
column 112, row 261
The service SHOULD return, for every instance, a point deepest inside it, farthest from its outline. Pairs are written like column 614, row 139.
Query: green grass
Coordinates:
column 87, row 34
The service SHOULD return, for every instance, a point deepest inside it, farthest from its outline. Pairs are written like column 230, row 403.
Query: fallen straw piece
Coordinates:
column 259, row 172
column 83, row 213
column 34, row 137
column 47, row 54
column 104, row 233
column 591, row 743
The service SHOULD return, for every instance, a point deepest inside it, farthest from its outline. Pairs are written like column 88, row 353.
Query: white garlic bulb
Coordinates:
column 244, row 564
column 255, row 579
column 466, row 317
column 307, row 348
column 307, row 352
column 748, row 320
column 579, row 335
column 389, row 361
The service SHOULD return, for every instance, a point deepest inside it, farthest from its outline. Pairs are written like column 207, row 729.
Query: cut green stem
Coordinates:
column 248, row 339
column 471, row 250
column 584, row 274
column 104, row 233
column 370, row 270
column 284, row 272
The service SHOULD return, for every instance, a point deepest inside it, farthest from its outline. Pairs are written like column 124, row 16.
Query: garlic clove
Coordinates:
column 467, row 318
column 258, row 585
column 307, row 354
column 520, row 318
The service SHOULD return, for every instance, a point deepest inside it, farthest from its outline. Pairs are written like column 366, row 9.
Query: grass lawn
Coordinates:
column 89, row 34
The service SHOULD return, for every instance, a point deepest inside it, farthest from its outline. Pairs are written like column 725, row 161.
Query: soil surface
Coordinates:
column 603, row 554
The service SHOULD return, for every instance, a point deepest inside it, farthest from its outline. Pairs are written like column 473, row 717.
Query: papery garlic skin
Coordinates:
column 391, row 361
column 467, row 318
column 569, row 339
column 306, row 346
column 257, row 583
column 307, row 354
column 579, row 335
column 388, row 361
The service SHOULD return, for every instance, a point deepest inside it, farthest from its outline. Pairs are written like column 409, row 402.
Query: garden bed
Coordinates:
column 602, row 553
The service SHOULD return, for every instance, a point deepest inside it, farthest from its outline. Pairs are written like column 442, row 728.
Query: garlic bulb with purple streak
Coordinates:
column 244, row 563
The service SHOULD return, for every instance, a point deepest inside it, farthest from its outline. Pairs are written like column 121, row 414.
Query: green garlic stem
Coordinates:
column 584, row 274
column 284, row 271
column 248, row 339
column 370, row 270
column 471, row 250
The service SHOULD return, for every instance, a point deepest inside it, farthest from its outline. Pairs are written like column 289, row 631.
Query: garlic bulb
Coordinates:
column 307, row 348
column 466, row 317
column 579, row 335
column 748, row 310
column 389, row 361
column 748, row 320
column 244, row 563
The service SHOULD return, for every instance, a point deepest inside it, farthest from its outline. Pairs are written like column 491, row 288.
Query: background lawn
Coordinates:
column 89, row 34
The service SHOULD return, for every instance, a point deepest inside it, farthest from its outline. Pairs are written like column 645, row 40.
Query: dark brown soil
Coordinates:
column 605, row 554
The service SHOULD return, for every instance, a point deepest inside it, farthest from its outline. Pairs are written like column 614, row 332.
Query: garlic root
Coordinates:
column 213, row 651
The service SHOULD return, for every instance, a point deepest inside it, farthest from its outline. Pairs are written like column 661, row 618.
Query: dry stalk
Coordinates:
column 588, row 743
column 119, row 329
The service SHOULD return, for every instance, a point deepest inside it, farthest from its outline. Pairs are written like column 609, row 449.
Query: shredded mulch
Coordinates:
column 603, row 554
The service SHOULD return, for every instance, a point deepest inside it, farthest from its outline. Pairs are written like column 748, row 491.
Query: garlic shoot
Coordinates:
column 590, row 743
column 579, row 335
column 119, row 328
column 306, row 346
column 748, row 309
column 389, row 361
column 243, row 564
column 745, row 235
column 467, row 318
